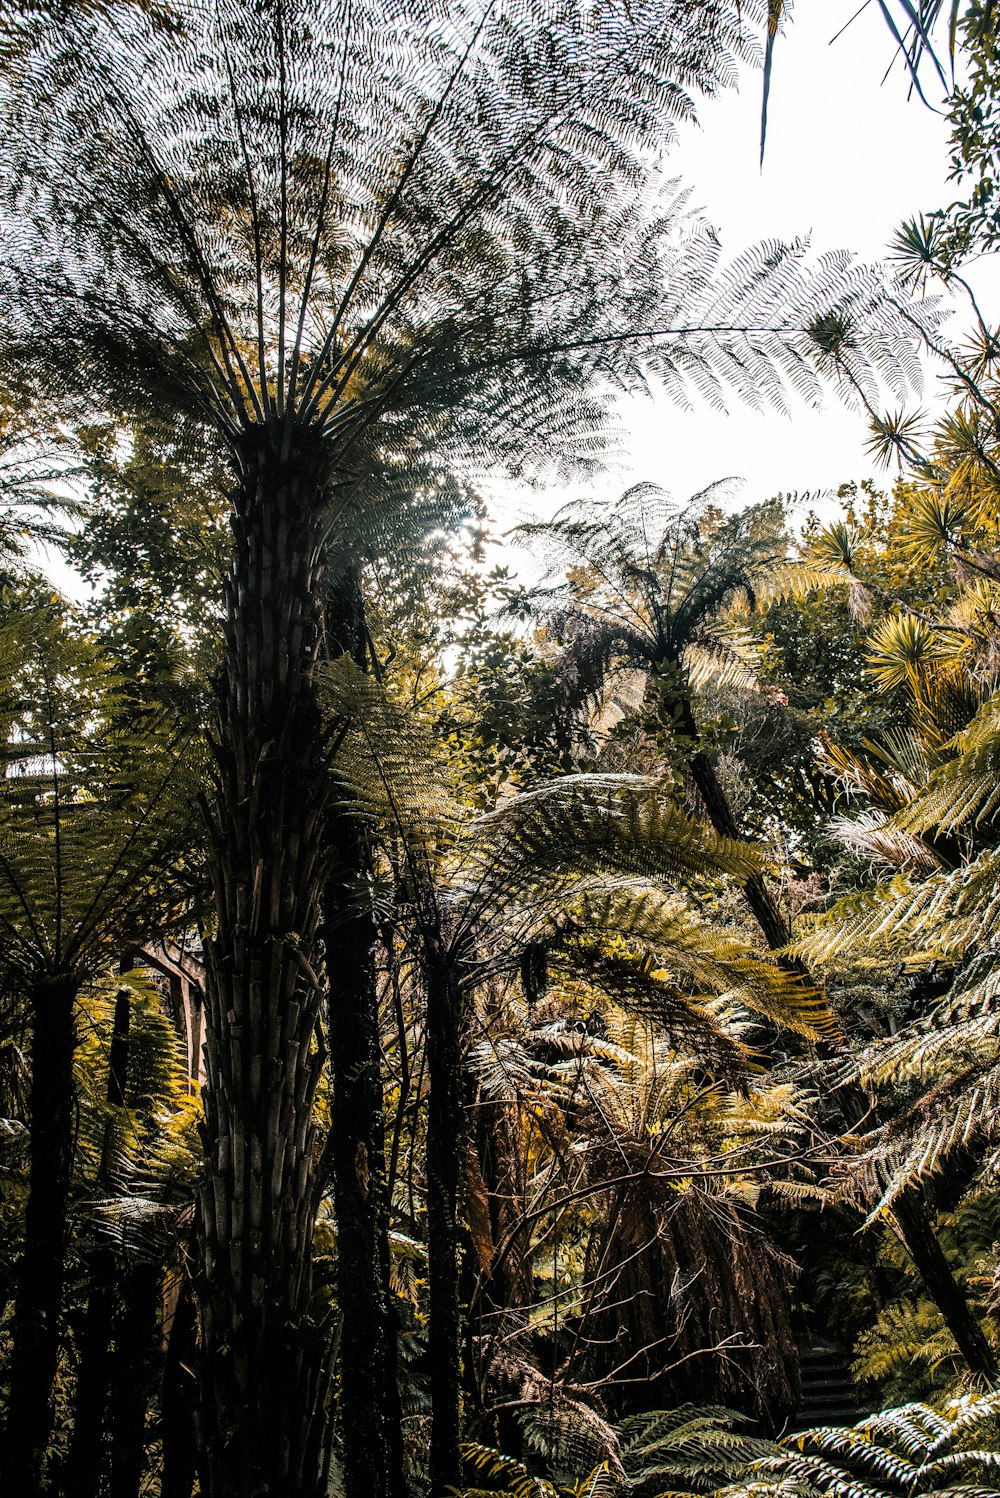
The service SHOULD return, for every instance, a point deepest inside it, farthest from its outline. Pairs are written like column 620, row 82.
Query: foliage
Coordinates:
column 289, row 285
column 910, row 1449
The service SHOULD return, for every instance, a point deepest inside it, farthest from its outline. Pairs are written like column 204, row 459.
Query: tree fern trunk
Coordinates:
column 678, row 716
column 369, row 1408
column 763, row 905
column 445, row 1129
column 912, row 1219
column 88, row 1453
column 263, row 1365
column 133, row 1376
column 178, row 1399
column 42, row 1273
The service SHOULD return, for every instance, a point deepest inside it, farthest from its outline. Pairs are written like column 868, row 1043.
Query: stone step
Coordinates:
column 828, row 1393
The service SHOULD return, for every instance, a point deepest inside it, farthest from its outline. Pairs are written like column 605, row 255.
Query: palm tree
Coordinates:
column 334, row 236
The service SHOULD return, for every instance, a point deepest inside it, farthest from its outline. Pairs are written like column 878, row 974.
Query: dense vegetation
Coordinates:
column 460, row 1035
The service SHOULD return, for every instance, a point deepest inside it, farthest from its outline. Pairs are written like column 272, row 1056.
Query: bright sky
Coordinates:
column 848, row 158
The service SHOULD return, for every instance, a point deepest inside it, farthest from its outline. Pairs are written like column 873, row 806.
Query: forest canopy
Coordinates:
column 463, row 1033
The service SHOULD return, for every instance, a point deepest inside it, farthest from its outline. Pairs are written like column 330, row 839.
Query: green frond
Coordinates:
column 389, row 767
column 798, row 580
column 966, row 790
column 97, row 808
column 916, row 249
column 607, row 824
column 508, row 1475
column 924, row 1139
column 934, row 519
column 726, row 659
column 856, row 1449
column 600, row 1483
column 896, row 435
column 903, row 647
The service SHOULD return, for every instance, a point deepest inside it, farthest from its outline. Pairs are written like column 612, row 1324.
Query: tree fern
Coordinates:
column 95, row 831
column 338, row 237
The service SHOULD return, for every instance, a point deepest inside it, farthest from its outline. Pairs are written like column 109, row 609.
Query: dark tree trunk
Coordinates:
column 445, row 1153
column 263, row 1360
column 88, row 1453
column 369, row 1407
column 178, row 1397
column 133, row 1376
column 42, row 1272
column 763, row 905
column 912, row 1220
column 369, row 1411
column 86, row 1464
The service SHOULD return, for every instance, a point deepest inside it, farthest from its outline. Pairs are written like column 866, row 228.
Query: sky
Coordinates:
column 848, row 158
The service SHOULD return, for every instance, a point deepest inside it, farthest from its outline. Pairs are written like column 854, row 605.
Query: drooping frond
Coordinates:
column 609, row 824
column 966, row 790
column 35, row 498
column 876, row 836
column 952, row 1054
column 664, row 954
column 95, row 813
column 911, row 1449
column 438, row 225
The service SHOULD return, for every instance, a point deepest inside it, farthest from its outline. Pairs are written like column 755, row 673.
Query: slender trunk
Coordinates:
column 86, row 1464
column 178, row 1400
column 763, row 905
column 87, row 1461
column 369, row 1408
column 133, row 1376
column 445, row 1131
column 264, row 1362
column 369, row 1411
column 42, row 1272
column 912, row 1220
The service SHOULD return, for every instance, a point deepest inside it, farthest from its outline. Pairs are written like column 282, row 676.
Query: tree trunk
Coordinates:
column 445, row 1153
column 263, row 1364
column 87, row 1461
column 133, row 1376
column 178, row 1394
column 86, row 1464
column 763, row 905
column 369, row 1407
column 912, row 1220
column 369, row 1411
column 42, row 1272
